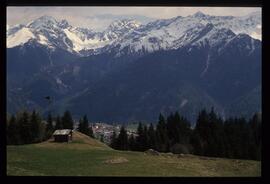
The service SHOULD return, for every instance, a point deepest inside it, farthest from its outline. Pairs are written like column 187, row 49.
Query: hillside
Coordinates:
column 88, row 157
column 80, row 141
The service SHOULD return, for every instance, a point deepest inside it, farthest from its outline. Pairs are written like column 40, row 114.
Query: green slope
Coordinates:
column 88, row 157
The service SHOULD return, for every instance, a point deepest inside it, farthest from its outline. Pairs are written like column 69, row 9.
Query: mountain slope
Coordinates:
column 184, row 80
column 246, row 104
column 133, row 72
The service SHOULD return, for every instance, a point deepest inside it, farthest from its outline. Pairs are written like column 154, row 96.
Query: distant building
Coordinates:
column 63, row 135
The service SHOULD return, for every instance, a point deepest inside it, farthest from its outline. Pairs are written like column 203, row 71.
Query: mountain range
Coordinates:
column 133, row 71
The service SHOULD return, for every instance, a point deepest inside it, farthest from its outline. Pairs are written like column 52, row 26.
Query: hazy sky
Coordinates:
column 79, row 16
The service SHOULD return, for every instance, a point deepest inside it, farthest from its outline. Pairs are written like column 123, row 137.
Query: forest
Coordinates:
column 234, row 137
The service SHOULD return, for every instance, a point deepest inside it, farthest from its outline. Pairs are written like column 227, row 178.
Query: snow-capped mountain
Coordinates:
column 59, row 34
column 180, row 31
column 120, row 27
column 129, row 36
column 185, row 63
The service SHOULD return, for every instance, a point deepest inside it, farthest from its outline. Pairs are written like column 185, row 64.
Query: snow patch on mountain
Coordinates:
column 255, row 35
column 79, row 44
column 44, row 41
column 20, row 37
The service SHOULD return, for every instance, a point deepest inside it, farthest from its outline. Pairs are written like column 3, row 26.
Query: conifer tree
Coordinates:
column 162, row 135
column 80, row 126
column 255, row 125
column 13, row 133
column 114, row 143
column 123, row 139
column 67, row 120
column 25, row 128
column 35, row 122
column 152, row 137
column 49, row 127
column 140, row 138
column 132, row 143
column 202, row 130
column 58, row 123
column 91, row 133
column 145, row 139
column 85, row 126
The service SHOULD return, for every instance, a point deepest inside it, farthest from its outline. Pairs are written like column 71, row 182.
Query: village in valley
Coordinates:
column 104, row 132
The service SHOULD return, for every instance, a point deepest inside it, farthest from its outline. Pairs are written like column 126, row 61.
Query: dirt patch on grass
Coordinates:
column 117, row 160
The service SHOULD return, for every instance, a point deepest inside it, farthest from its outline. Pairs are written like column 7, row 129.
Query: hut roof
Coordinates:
column 62, row 132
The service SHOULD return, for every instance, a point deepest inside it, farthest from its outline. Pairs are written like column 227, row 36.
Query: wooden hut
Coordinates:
column 63, row 135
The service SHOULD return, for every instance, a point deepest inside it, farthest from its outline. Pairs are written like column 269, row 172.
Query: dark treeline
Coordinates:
column 84, row 127
column 212, row 136
column 28, row 127
column 25, row 128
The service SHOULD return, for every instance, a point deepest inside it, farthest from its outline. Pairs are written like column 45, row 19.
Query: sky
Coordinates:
column 90, row 16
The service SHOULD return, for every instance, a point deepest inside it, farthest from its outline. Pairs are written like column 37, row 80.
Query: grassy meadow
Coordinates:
column 89, row 157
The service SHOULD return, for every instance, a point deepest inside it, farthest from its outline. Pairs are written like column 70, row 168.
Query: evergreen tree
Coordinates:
column 178, row 129
column 25, row 128
column 49, row 127
column 238, row 139
column 58, row 123
column 123, row 139
column 13, row 133
column 114, row 143
column 202, row 131
column 172, row 130
column 80, row 126
column 132, row 143
column 229, row 132
column 85, row 126
column 214, row 141
column 185, row 131
column 152, row 137
column 91, row 133
column 140, row 138
column 35, row 122
column 256, row 142
column 219, row 138
column 196, row 143
column 145, row 139
column 67, row 120
column 162, row 135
